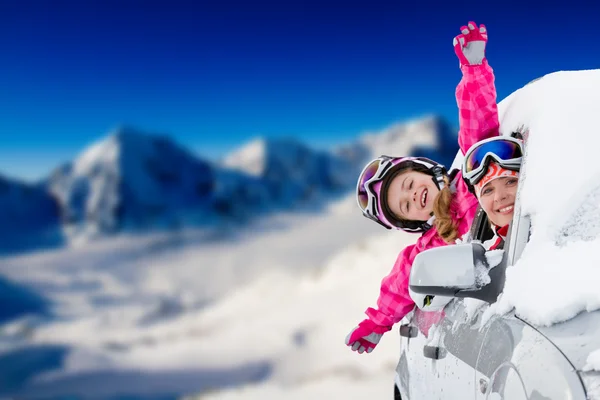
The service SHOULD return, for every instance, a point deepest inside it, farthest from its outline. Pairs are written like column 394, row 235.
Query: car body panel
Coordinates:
column 505, row 358
column 576, row 338
column 519, row 362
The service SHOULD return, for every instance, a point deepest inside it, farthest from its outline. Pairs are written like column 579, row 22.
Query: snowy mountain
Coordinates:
column 291, row 170
column 28, row 216
column 431, row 137
column 132, row 180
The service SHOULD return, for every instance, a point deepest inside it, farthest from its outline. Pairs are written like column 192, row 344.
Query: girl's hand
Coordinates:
column 469, row 46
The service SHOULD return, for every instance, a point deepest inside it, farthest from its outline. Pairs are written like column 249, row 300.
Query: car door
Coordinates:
column 443, row 364
column 461, row 339
column 419, row 376
column 462, row 334
column 440, row 349
column 497, row 374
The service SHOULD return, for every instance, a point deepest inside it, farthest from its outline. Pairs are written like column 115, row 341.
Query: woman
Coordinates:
column 416, row 195
column 491, row 168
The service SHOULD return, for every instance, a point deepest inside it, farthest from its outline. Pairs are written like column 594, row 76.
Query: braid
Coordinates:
column 444, row 224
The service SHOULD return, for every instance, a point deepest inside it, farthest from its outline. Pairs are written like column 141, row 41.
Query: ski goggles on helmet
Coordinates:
column 365, row 195
column 372, row 185
column 504, row 150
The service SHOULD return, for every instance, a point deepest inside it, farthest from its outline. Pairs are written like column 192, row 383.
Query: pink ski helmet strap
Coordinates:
column 374, row 181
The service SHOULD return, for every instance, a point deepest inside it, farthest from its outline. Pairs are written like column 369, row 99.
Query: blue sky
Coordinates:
column 215, row 75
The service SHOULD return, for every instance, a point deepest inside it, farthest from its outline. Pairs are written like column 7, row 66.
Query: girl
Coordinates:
column 417, row 195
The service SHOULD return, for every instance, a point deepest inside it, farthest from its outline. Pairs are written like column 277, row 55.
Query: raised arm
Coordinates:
column 476, row 92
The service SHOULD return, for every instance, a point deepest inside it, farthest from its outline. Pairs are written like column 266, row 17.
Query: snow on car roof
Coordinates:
column 561, row 111
column 558, row 274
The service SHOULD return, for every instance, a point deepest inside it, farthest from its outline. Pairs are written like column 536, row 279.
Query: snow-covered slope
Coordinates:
column 168, row 315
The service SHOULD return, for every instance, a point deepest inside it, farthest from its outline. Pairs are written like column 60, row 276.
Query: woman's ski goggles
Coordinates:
column 366, row 197
column 505, row 151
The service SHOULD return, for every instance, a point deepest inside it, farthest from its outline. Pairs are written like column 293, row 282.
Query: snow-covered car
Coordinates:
column 523, row 322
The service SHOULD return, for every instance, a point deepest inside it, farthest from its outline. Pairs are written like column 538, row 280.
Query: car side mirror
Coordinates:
column 458, row 271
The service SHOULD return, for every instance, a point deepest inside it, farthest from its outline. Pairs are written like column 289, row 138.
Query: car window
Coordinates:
column 497, row 347
column 461, row 334
column 481, row 229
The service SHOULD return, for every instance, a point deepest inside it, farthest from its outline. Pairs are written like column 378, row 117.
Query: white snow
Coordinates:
column 264, row 312
column 560, row 111
column 250, row 158
column 593, row 361
column 494, row 257
column 591, row 375
column 472, row 306
column 481, row 275
column 551, row 284
column 347, row 384
column 557, row 276
column 103, row 152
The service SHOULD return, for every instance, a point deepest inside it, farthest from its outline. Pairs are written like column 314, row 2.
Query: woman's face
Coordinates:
column 497, row 198
column 411, row 196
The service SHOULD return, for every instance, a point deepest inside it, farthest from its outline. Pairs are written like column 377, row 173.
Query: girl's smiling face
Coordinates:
column 411, row 196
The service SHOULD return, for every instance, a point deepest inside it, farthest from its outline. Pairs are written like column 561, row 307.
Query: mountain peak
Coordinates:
column 131, row 178
column 429, row 136
column 253, row 158
column 122, row 140
column 250, row 158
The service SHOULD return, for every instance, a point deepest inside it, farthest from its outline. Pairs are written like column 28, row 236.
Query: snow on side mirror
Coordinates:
column 451, row 271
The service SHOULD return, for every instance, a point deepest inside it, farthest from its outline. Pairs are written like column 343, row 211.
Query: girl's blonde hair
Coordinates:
column 444, row 224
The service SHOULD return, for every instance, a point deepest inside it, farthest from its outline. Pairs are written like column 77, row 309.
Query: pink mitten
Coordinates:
column 366, row 336
column 469, row 46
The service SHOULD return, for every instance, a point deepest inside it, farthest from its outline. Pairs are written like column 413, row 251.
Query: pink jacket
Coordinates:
column 478, row 119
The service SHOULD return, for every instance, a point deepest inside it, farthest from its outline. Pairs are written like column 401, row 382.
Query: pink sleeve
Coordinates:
column 468, row 204
column 394, row 301
column 477, row 108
